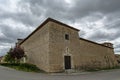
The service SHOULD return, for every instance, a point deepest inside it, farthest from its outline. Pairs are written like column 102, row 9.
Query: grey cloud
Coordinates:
column 109, row 5
column 12, row 34
column 113, row 25
column 50, row 8
column 106, row 6
column 117, row 50
column 24, row 18
column 9, row 32
column 6, row 40
column 80, row 8
column 3, row 51
column 113, row 21
column 117, row 46
column 101, row 35
column 98, row 36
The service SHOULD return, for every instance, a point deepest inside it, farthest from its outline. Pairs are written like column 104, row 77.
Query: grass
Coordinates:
column 22, row 67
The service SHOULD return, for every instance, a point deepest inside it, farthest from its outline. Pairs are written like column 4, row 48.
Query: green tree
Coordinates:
column 9, row 59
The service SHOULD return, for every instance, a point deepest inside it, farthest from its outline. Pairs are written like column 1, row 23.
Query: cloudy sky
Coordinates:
column 98, row 20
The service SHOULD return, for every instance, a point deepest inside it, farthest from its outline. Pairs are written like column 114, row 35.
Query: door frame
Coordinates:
column 72, row 63
column 68, row 60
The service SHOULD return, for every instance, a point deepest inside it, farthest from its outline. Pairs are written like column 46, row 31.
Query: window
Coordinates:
column 66, row 36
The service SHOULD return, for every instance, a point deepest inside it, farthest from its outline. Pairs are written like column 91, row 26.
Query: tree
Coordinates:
column 14, row 55
column 17, row 53
column 9, row 59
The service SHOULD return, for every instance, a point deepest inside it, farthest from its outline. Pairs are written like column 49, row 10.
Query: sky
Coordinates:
column 98, row 20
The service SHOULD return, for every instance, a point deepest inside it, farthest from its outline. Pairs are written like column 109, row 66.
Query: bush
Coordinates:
column 9, row 59
column 22, row 67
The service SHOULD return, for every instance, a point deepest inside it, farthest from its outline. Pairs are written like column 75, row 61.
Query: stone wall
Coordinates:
column 37, row 48
column 60, row 47
column 117, row 58
column 95, row 55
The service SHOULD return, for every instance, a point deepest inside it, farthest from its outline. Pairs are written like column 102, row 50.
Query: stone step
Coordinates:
column 70, row 71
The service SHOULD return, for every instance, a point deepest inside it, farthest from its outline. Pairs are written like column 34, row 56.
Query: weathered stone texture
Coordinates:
column 58, row 45
column 117, row 56
column 37, row 48
column 93, row 54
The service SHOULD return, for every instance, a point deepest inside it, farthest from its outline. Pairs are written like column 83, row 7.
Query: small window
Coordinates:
column 66, row 36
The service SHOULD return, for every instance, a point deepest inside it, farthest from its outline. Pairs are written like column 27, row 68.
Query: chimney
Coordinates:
column 19, row 41
column 108, row 44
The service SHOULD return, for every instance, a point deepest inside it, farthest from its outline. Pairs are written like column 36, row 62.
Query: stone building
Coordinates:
column 118, row 58
column 55, row 46
column 1, row 59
